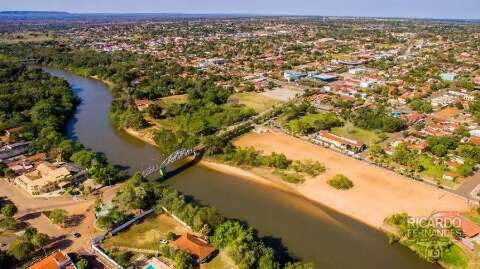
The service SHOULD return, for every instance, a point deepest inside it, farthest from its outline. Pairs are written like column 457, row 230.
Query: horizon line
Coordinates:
column 254, row 14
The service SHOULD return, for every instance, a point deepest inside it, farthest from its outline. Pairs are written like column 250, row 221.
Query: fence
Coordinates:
column 130, row 222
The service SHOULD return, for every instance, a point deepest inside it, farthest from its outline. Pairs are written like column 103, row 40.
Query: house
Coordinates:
column 12, row 150
column 414, row 117
column 442, row 101
column 339, row 142
column 357, row 70
column 469, row 228
column 474, row 140
column 142, row 104
column 45, row 178
column 200, row 249
column 56, row 260
column 25, row 164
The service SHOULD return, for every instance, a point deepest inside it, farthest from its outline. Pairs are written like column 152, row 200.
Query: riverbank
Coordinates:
column 377, row 193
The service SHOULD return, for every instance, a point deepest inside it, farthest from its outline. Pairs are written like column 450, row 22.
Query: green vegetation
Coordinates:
column 365, row 136
column 340, row 182
column 291, row 177
column 26, row 245
column 279, row 162
column 253, row 100
column 239, row 241
column 147, row 234
column 377, row 119
column 428, row 243
column 311, row 123
column 312, row 168
column 40, row 105
column 422, row 106
column 58, row 216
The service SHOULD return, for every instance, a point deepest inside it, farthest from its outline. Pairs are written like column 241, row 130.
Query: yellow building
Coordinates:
column 46, row 177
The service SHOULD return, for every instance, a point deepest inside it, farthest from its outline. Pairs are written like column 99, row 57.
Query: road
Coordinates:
column 81, row 214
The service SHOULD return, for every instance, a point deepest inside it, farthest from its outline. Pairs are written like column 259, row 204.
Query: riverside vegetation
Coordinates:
column 206, row 110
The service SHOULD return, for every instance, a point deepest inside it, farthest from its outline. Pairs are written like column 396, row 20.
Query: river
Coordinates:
column 307, row 231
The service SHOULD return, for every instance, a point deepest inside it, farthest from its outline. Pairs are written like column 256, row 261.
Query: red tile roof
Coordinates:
column 194, row 245
column 56, row 260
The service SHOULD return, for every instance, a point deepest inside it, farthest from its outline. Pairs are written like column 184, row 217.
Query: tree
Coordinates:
column 183, row 260
column 82, row 263
column 155, row 111
column 9, row 210
column 39, row 240
column 20, row 249
column 83, row 158
column 58, row 216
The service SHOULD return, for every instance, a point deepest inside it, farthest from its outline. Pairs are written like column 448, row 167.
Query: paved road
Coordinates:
column 468, row 185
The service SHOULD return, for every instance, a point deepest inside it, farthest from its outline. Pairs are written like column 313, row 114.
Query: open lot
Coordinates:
column 257, row 101
column 377, row 193
column 355, row 133
column 174, row 99
column 283, row 94
column 146, row 234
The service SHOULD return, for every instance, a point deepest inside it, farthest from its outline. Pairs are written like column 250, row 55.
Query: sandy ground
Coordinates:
column 377, row 193
column 145, row 136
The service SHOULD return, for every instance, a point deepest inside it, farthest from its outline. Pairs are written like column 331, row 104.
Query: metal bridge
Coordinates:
column 172, row 158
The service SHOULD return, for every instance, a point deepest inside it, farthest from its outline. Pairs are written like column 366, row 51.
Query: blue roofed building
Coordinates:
column 291, row 75
column 324, row 77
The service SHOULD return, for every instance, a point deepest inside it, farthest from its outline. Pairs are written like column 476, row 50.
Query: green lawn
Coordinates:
column 355, row 133
column 455, row 258
column 254, row 100
column 147, row 234
column 432, row 170
column 435, row 171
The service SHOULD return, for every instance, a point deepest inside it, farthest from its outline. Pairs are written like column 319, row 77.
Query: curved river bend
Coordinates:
column 309, row 231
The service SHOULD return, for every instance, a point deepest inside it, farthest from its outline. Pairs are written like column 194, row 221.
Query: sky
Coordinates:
column 459, row 9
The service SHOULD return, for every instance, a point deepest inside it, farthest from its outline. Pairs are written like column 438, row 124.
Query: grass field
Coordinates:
column 147, row 234
column 254, row 100
column 432, row 169
column 355, row 133
column 174, row 99
column 456, row 258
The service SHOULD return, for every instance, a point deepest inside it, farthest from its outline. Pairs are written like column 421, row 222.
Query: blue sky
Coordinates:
column 469, row 9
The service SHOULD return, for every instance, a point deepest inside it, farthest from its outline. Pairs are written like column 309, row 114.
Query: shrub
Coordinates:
column 340, row 182
column 290, row 177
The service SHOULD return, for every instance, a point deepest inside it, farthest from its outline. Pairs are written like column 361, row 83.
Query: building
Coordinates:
column 357, row 70
column 291, row 75
column 324, row 77
column 200, row 249
column 142, row 104
column 45, row 178
column 12, row 150
column 342, row 143
column 447, row 76
column 56, row 260
column 25, row 164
